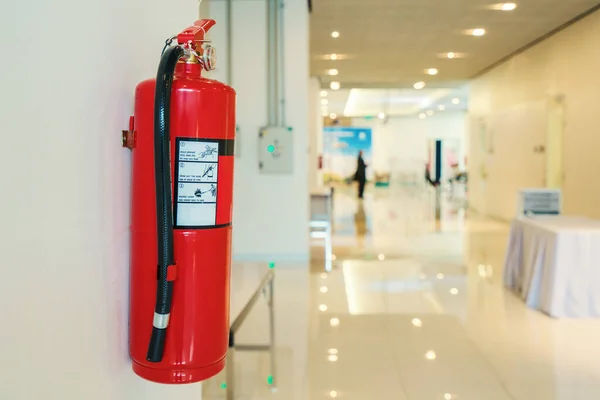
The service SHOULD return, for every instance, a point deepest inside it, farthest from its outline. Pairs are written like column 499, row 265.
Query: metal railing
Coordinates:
column 266, row 285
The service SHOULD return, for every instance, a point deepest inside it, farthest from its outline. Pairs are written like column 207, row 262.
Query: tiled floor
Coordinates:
column 414, row 309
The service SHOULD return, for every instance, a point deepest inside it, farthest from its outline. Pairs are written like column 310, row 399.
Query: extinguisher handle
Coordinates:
column 196, row 32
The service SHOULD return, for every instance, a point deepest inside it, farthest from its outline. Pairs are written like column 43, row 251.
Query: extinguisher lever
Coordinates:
column 195, row 33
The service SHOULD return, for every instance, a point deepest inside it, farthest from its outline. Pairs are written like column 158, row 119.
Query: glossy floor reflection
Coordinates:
column 414, row 309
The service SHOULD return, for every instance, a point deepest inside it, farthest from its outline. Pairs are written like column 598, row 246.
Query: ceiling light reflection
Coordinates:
column 333, row 115
column 454, row 291
column 440, row 276
column 422, row 116
column 381, row 257
column 324, row 275
column 441, row 107
column 323, row 307
column 332, row 351
column 324, row 102
column 456, row 101
column 323, row 93
column 334, row 85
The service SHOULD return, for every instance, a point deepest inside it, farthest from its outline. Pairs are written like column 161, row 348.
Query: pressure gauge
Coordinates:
column 209, row 57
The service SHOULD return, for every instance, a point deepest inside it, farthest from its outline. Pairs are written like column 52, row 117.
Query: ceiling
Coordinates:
column 394, row 102
column 390, row 43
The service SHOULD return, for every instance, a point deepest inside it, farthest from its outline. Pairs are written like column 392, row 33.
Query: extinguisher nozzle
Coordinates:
column 157, row 344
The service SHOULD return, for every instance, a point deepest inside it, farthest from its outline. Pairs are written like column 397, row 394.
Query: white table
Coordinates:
column 553, row 263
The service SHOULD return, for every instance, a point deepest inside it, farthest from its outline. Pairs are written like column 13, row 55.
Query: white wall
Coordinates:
column 400, row 145
column 270, row 211
column 69, row 71
column 565, row 64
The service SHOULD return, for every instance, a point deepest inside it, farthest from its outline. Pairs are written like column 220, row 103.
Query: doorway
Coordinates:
column 554, row 143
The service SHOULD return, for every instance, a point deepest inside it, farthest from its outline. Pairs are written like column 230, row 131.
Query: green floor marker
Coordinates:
column 270, row 379
column 270, row 148
column 271, row 265
column 223, row 385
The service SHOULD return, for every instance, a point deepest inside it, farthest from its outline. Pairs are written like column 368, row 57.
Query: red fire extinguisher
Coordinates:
column 182, row 190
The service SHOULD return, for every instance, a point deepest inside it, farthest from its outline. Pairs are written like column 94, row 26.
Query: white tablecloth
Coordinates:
column 553, row 263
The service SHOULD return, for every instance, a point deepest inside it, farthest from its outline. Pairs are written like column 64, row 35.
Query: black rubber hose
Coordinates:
column 164, row 202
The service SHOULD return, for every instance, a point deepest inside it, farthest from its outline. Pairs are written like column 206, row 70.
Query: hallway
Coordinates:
column 414, row 309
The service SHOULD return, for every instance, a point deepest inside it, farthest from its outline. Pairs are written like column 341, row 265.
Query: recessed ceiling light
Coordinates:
column 422, row 116
column 333, row 115
column 323, row 93
column 381, row 115
column 448, row 396
column 324, row 102
column 334, row 321
column 334, row 85
column 333, row 394
column 451, row 55
column 335, row 34
column 419, row 85
column 324, row 288
column 441, row 107
column 323, row 307
column 431, row 71
column 503, row 6
column 454, row 291
column 333, row 72
column 332, row 351
column 417, row 322
column 430, row 112
column 333, row 57
column 430, row 355
column 381, row 257
column 332, row 358
column 456, row 101
column 440, row 276
column 477, row 32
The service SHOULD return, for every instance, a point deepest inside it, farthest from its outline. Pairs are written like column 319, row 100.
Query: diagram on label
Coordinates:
column 197, row 172
column 197, row 183
column 212, row 191
column 198, row 151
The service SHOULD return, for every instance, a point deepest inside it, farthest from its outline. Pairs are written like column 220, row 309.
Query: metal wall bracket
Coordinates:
column 128, row 137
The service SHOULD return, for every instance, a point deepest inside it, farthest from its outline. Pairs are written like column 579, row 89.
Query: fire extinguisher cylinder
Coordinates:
column 181, row 216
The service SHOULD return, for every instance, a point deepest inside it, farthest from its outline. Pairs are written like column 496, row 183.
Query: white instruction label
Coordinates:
column 197, row 183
